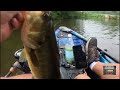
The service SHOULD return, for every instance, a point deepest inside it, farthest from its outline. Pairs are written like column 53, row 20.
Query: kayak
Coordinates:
column 71, row 47
column 68, row 68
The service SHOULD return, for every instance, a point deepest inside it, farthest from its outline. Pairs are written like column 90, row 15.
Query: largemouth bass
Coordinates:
column 40, row 45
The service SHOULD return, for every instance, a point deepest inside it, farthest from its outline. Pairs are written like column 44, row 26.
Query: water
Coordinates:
column 106, row 32
column 8, row 49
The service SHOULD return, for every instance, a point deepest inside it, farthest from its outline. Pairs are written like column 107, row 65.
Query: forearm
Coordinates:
column 99, row 70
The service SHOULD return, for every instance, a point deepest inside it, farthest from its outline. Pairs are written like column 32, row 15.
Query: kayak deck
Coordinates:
column 62, row 37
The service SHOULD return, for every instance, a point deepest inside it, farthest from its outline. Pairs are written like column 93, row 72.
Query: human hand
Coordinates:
column 10, row 20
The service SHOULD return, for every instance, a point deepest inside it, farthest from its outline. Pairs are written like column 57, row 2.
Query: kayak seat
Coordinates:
column 68, row 71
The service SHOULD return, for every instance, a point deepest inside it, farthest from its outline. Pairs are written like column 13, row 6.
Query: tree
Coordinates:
column 64, row 14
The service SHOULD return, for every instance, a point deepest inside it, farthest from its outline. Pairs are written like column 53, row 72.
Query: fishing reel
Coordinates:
column 22, row 62
column 17, row 54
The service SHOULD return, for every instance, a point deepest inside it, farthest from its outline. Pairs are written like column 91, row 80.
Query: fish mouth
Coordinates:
column 40, row 13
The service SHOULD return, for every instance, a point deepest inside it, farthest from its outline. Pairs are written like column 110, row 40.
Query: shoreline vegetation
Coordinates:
column 85, row 15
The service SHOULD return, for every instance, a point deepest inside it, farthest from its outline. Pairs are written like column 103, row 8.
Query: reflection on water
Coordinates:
column 106, row 32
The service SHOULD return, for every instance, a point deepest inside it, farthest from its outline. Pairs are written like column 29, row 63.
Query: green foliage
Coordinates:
column 64, row 14
column 100, row 15
column 104, row 12
column 84, row 14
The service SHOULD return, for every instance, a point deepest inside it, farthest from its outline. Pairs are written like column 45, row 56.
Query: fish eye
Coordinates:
column 46, row 15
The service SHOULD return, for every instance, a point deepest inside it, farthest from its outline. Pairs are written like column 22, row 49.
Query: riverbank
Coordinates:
column 94, row 15
column 60, row 15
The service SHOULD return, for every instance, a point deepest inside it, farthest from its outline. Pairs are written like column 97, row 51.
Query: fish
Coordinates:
column 40, row 46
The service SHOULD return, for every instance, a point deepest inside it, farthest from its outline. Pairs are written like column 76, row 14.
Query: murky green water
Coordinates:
column 106, row 32
column 8, row 49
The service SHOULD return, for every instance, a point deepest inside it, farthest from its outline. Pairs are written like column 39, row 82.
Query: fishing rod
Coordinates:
column 81, row 37
column 12, row 69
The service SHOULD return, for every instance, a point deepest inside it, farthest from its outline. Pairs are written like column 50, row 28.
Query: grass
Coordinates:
column 92, row 15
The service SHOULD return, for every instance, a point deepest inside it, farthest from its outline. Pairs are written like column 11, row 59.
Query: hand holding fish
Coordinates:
column 39, row 42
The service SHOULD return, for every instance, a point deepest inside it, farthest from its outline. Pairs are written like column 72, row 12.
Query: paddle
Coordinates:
column 81, row 37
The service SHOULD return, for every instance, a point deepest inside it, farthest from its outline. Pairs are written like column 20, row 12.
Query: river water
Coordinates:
column 106, row 32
